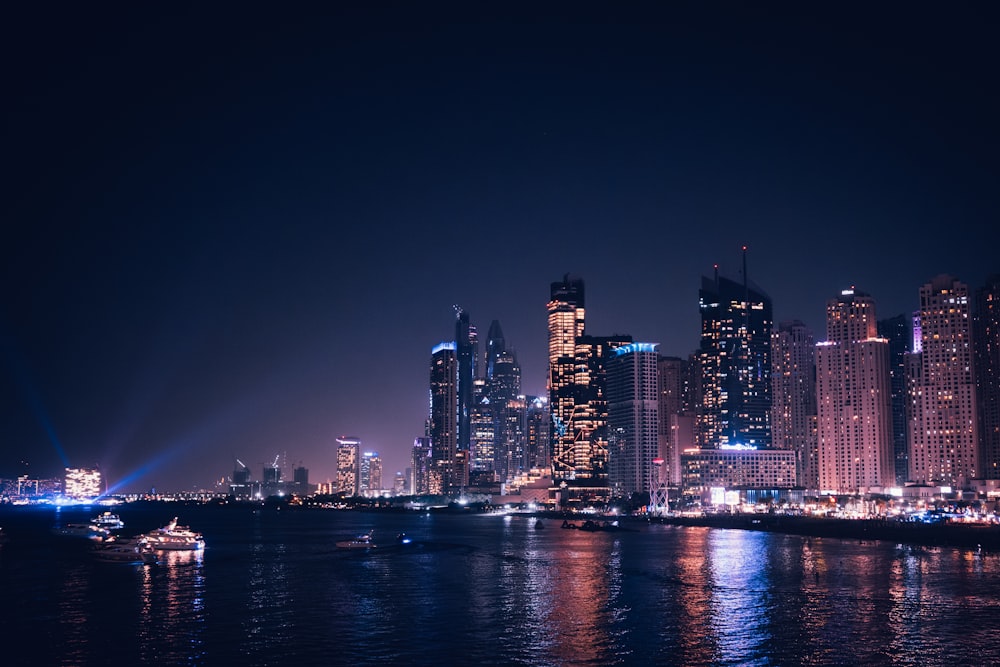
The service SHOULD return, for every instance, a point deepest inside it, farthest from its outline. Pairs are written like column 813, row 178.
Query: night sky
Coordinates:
column 238, row 230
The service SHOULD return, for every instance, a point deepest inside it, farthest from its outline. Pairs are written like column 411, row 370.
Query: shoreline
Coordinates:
column 962, row 536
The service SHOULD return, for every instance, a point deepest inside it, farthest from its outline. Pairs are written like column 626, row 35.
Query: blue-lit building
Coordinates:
column 735, row 363
column 633, row 419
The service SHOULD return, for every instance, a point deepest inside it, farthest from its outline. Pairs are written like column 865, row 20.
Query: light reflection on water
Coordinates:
column 483, row 590
column 172, row 604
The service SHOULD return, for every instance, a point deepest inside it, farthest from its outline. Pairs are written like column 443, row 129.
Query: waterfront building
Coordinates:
column 421, row 462
column 633, row 419
column 588, row 479
column 508, row 414
column 986, row 344
column 566, row 318
column 348, row 465
column 793, row 398
column 82, row 484
column 445, row 475
column 736, row 467
column 734, row 362
column 944, row 445
column 898, row 331
column 483, row 429
column 854, row 409
column 536, row 432
column 370, row 473
column 676, row 416
column 578, row 436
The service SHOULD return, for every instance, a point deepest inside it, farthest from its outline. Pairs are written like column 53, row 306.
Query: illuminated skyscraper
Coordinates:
column 589, row 423
column 536, row 432
column 566, row 315
column 348, row 465
column 986, row 341
column 82, row 483
column 370, row 473
column 483, row 429
column 735, row 363
column 508, row 415
column 853, row 399
column 633, row 419
column 793, row 398
column 577, row 400
column 422, row 463
column 445, row 475
column 944, row 444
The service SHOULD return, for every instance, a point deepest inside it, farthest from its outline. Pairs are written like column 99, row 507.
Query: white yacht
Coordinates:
column 173, row 537
column 108, row 520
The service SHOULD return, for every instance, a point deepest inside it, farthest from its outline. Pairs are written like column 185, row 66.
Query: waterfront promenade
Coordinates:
column 947, row 534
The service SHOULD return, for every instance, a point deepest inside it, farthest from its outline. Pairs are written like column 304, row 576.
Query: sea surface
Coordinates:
column 272, row 588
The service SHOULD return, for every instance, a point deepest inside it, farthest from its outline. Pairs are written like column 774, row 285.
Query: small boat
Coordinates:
column 125, row 550
column 539, row 525
column 82, row 530
column 362, row 541
column 108, row 520
column 174, row 537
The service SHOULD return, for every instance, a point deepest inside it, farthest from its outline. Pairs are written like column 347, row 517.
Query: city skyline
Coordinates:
column 242, row 236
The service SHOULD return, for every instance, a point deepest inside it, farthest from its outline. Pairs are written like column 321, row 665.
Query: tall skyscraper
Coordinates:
column 735, row 363
column 370, row 473
column 536, row 432
column 898, row 331
column 633, row 419
column 566, row 316
column 508, row 414
column 589, row 424
column 444, row 418
column 483, row 428
column 986, row 342
column 944, row 444
column 348, row 465
column 675, row 415
column 793, row 398
column 577, row 397
column 466, row 349
column 853, row 399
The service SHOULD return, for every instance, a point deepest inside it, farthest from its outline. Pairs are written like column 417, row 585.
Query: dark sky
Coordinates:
column 238, row 230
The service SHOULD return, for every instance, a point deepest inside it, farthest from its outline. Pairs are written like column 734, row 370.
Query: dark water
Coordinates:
column 271, row 588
